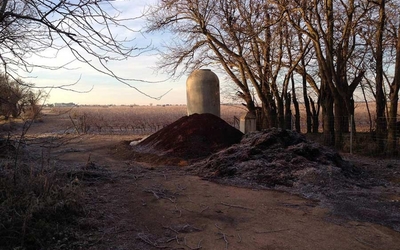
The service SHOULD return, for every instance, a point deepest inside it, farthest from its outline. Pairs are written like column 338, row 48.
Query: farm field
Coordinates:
column 129, row 119
column 149, row 119
column 132, row 204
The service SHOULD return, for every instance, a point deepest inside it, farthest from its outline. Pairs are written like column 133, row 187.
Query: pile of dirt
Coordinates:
column 190, row 137
column 276, row 157
column 286, row 160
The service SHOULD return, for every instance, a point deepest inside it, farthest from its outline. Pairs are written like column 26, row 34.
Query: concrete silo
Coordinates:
column 202, row 92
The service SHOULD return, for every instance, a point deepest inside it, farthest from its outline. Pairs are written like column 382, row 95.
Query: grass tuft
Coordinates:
column 38, row 209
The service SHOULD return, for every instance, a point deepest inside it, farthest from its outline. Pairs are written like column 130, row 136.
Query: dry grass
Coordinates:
column 39, row 204
column 148, row 119
column 132, row 119
column 144, row 120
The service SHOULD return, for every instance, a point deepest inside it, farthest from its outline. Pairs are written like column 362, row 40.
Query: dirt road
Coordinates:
column 132, row 205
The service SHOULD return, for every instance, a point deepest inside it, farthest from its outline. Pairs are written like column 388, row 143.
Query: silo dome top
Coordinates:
column 202, row 92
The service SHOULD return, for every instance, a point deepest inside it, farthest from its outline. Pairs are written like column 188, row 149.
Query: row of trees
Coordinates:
column 267, row 48
column 330, row 48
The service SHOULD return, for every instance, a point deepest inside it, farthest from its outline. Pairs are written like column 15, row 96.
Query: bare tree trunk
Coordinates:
column 339, row 109
column 288, row 112
column 296, row 107
column 368, row 109
column 268, row 115
column 328, row 120
column 394, row 99
column 380, row 95
column 344, row 121
column 307, row 107
column 391, row 137
column 315, row 116
column 307, row 103
column 281, row 111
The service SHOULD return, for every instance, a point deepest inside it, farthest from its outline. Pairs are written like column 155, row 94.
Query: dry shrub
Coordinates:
column 33, row 112
column 367, row 144
column 364, row 143
column 38, row 208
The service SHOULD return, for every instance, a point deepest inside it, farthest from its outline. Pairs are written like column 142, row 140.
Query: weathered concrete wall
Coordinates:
column 248, row 123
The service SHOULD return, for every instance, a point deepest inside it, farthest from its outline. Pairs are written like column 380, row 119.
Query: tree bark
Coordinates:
column 288, row 112
column 328, row 120
column 381, row 124
column 315, row 116
column 394, row 100
column 296, row 108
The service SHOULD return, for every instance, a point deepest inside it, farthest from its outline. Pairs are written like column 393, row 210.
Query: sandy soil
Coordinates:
column 132, row 205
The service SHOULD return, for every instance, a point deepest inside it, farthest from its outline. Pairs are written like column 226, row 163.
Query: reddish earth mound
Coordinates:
column 191, row 137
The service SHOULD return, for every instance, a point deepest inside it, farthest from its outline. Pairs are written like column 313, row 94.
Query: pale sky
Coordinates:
column 107, row 90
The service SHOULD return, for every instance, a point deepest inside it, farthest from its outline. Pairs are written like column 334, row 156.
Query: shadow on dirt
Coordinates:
column 274, row 159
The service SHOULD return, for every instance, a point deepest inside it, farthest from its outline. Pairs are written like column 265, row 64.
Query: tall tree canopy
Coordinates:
column 245, row 37
column 329, row 46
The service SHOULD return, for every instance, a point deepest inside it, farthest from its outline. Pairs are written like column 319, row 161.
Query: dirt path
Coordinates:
column 131, row 205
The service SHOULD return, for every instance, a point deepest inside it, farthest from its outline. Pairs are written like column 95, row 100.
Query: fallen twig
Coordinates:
column 223, row 236
column 173, row 200
column 204, row 209
column 191, row 248
column 154, row 193
column 178, row 210
column 364, row 242
column 160, row 193
column 172, row 239
column 272, row 231
column 170, row 228
column 187, row 209
column 180, row 188
column 236, row 206
column 148, row 241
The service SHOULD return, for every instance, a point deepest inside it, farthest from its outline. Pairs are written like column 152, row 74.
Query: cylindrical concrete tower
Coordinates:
column 202, row 92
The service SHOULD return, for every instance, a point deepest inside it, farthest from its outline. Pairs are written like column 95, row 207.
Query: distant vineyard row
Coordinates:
column 148, row 119
column 135, row 119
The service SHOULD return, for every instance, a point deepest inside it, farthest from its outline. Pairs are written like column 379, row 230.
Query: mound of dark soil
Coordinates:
column 191, row 137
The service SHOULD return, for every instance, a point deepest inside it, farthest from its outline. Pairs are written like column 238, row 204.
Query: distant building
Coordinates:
column 69, row 104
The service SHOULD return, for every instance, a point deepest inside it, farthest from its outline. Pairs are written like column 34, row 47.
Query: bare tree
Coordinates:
column 381, row 34
column 17, row 97
column 394, row 85
column 378, row 56
column 264, row 45
column 332, row 27
column 244, row 38
column 92, row 31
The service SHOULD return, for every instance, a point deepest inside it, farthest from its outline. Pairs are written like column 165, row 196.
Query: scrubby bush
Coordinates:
column 17, row 98
column 39, row 204
column 37, row 207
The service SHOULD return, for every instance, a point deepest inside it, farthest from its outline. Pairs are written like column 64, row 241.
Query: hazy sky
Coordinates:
column 106, row 89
